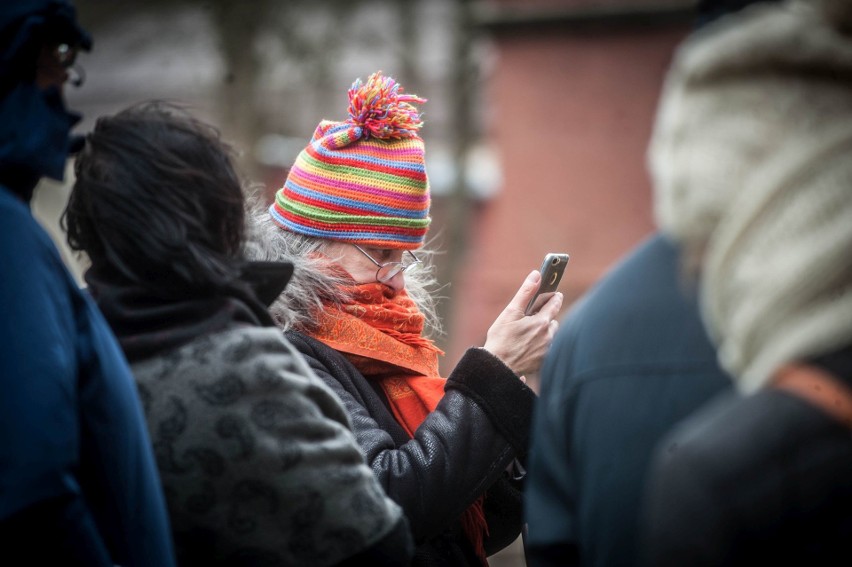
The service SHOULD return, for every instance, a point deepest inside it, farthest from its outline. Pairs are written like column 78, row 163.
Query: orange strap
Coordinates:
column 820, row 388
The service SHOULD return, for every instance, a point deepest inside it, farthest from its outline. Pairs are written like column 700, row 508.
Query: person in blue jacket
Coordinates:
column 631, row 359
column 78, row 483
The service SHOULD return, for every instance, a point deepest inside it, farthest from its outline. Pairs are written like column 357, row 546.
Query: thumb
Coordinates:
column 525, row 292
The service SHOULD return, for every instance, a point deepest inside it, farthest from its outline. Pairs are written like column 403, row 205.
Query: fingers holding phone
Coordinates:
column 552, row 269
column 522, row 341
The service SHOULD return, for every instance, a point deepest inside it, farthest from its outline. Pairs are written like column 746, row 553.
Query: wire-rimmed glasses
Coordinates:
column 63, row 56
column 389, row 270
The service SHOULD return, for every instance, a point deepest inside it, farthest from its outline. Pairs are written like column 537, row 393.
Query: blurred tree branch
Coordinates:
column 463, row 81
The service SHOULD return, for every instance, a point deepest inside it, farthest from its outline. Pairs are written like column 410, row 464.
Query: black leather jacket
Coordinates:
column 459, row 452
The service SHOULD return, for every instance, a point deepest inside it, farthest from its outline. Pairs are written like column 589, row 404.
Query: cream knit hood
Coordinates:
column 751, row 159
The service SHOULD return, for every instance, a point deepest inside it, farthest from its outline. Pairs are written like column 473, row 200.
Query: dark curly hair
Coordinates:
column 158, row 201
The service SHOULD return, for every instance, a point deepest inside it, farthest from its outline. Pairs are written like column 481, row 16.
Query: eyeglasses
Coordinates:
column 64, row 56
column 389, row 270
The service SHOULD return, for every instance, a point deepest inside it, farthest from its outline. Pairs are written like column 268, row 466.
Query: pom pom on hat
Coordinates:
column 362, row 180
column 382, row 110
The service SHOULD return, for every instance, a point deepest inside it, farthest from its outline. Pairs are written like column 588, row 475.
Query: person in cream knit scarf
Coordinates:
column 752, row 165
column 751, row 160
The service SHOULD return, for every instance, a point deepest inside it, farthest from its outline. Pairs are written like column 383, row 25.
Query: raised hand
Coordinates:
column 522, row 341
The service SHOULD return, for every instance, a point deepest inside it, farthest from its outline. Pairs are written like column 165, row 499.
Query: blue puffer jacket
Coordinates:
column 78, row 484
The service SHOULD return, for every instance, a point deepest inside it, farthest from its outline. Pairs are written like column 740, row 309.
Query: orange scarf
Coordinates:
column 380, row 332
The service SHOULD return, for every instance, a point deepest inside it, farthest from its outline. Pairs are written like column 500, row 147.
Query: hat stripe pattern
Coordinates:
column 354, row 193
column 358, row 189
column 329, row 215
column 344, row 205
column 366, row 173
column 373, row 153
column 342, row 231
column 321, row 218
column 362, row 180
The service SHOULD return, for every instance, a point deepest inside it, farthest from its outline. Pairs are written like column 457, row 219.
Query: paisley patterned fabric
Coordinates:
column 256, row 456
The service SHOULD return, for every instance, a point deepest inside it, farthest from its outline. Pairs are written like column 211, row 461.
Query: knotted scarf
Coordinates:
column 380, row 331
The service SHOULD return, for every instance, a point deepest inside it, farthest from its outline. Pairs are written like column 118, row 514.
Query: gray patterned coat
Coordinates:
column 256, row 455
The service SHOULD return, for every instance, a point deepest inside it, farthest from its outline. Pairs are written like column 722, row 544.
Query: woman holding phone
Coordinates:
column 352, row 216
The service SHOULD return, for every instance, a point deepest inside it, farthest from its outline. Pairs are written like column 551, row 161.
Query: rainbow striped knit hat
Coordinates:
column 362, row 180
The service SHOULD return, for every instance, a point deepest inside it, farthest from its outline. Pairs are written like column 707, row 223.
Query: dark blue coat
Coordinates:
column 78, row 483
column 630, row 360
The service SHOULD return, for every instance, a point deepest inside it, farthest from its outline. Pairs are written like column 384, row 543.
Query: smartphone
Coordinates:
column 551, row 270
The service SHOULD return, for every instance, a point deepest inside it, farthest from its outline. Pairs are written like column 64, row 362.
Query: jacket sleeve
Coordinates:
column 252, row 438
column 459, row 451
column 40, row 487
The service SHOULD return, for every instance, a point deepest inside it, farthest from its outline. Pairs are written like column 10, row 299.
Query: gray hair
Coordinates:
column 314, row 282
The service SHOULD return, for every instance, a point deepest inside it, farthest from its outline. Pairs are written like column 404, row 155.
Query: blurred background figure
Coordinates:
column 751, row 161
column 631, row 360
column 256, row 455
column 353, row 216
column 78, row 484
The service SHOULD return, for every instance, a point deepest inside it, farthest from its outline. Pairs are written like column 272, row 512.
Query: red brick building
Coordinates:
column 571, row 102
